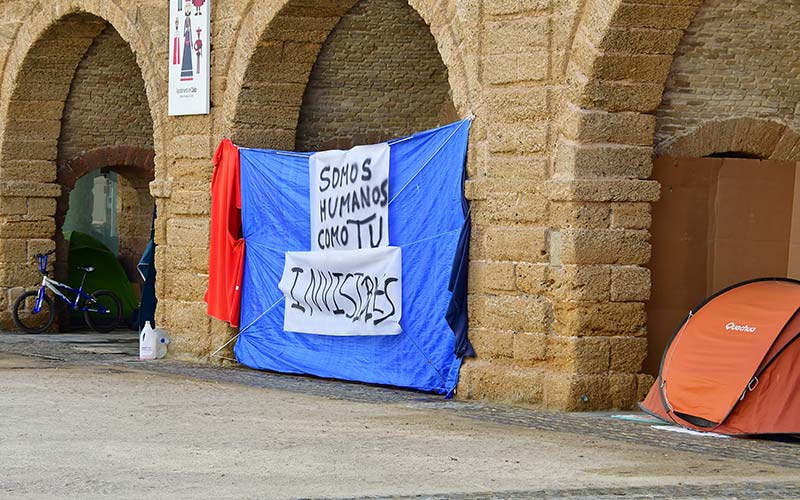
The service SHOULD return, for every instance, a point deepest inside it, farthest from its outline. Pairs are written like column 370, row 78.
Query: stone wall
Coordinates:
column 378, row 76
column 107, row 105
column 564, row 94
column 727, row 68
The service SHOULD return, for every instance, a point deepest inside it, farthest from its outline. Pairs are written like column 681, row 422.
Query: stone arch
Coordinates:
column 600, row 192
column 39, row 71
column 62, row 18
column 277, row 46
column 137, row 166
column 753, row 137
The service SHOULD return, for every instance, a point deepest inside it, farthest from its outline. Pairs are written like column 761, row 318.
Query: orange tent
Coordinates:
column 733, row 365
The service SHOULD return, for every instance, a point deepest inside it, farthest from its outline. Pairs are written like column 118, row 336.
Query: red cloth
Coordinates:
column 226, row 249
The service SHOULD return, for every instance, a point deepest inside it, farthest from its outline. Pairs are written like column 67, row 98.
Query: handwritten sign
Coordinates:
column 350, row 198
column 353, row 292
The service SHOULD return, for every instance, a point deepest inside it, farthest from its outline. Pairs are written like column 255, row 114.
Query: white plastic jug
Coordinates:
column 148, row 343
column 161, row 342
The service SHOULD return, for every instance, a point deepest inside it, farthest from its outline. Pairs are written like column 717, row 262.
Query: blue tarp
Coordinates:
column 427, row 218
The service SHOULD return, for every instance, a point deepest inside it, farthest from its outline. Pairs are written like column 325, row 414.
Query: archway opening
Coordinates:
column 725, row 135
column 78, row 107
column 721, row 220
column 336, row 74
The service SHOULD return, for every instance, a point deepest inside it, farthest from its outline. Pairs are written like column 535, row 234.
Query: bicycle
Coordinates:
column 34, row 311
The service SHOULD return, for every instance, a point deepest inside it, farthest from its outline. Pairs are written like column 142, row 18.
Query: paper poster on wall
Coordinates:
column 352, row 292
column 189, row 57
column 350, row 198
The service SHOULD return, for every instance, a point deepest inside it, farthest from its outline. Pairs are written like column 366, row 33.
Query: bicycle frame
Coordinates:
column 57, row 286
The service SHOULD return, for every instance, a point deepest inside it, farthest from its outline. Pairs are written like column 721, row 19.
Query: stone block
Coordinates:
column 530, row 347
column 13, row 250
column 588, row 126
column 23, row 227
column 19, row 274
column 190, row 202
column 575, row 160
column 185, row 285
column 42, row 207
column 621, row 190
column 623, row 391
column 29, row 170
column 517, row 243
column 36, row 246
column 190, row 146
column 628, row 354
column 186, row 318
column 511, row 208
column 631, row 216
column 491, row 277
column 618, row 96
column 504, row 104
column 577, row 392
column 522, row 313
column 579, row 354
column 188, row 232
column 532, row 279
column 515, row 68
column 580, row 215
column 630, row 67
column 517, row 167
column 638, row 40
column 13, row 205
column 515, row 35
column 605, row 246
column 489, row 343
column 46, row 150
column 518, row 137
column 580, row 319
column 581, row 283
column 653, row 16
column 630, row 284
column 26, row 188
column 492, row 380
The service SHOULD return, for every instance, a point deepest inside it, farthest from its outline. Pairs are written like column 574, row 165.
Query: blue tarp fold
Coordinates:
column 427, row 218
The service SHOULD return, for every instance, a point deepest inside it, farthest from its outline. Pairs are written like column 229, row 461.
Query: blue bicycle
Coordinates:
column 34, row 311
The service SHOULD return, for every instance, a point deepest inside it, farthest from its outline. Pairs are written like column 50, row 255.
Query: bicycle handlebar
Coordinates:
column 51, row 252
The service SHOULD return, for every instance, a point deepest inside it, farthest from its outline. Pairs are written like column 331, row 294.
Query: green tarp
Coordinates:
column 85, row 251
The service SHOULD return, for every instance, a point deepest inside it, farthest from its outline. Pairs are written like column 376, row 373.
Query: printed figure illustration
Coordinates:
column 198, row 48
column 187, row 72
column 197, row 4
column 176, row 42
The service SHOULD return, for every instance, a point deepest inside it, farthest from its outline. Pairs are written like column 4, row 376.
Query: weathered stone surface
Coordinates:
column 491, row 277
column 630, row 284
column 579, row 354
column 627, row 354
column 600, row 246
column 600, row 319
column 518, row 313
column 501, row 382
column 517, row 243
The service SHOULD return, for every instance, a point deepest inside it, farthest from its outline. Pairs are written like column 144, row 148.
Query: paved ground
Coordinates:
column 81, row 418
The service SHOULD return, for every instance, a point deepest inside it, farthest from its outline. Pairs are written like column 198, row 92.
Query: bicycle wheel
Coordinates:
column 28, row 321
column 103, row 311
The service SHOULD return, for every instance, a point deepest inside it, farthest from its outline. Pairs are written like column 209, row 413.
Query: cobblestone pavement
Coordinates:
column 120, row 348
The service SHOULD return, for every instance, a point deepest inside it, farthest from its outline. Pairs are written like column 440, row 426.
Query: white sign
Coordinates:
column 189, row 57
column 350, row 198
column 352, row 292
